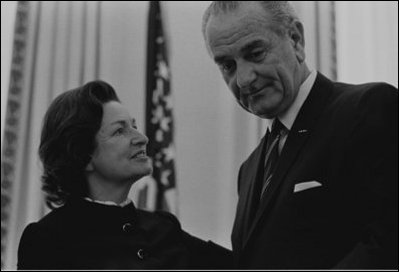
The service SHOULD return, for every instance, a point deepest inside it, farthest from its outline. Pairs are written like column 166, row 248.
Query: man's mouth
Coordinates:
column 255, row 92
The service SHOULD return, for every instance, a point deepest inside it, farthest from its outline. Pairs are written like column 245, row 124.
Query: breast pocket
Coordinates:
column 310, row 206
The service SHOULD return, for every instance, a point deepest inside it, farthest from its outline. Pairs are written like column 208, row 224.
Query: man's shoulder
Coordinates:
column 346, row 98
column 350, row 90
column 372, row 89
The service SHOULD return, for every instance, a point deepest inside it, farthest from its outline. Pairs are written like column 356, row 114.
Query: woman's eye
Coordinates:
column 118, row 131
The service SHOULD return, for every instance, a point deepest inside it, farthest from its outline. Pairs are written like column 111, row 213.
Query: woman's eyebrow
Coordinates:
column 124, row 122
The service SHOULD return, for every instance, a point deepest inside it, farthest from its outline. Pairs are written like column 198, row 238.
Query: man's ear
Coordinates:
column 298, row 40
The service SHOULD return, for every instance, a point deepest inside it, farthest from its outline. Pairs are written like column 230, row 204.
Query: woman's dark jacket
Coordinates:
column 88, row 235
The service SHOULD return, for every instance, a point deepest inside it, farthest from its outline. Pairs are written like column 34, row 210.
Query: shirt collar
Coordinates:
column 110, row 203
column 288, row 117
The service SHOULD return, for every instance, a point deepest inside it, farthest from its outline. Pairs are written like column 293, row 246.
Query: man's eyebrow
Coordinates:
column 252, row 45
column 219, row 59
column 246, row 48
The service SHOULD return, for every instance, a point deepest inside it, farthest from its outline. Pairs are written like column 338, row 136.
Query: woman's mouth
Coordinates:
column 140, row 154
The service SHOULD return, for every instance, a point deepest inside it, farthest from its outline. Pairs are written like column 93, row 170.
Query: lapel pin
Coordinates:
column 302, row 131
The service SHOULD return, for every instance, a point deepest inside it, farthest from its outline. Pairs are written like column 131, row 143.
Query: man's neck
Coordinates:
column 305, row 73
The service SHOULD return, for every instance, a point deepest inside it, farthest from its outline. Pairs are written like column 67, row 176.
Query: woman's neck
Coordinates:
column 108, row 191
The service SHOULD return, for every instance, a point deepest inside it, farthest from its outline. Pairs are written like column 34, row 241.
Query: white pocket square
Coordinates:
column 306, row 185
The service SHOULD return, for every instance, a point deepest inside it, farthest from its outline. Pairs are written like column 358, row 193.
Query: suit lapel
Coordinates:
column 248, row 194
column 300, row 132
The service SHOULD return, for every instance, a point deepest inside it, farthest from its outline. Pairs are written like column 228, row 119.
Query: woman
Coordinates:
column 92, row 153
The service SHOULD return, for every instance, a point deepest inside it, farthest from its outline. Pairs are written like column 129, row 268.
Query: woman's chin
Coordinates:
column 145, row 172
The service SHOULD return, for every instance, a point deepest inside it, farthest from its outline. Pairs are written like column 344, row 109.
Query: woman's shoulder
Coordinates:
column 37, row 242
column 36, row 233
column 158, row 217
column 45, row 227
column 159, row 224
column 54, row 217
column 168, row 217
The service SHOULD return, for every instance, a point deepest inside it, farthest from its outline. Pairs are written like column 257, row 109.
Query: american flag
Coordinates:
column 159, row 120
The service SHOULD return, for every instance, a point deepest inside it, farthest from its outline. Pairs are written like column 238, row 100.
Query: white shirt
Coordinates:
column 288, row 117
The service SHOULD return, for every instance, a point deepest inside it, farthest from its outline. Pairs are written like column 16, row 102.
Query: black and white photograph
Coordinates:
column 199, row 135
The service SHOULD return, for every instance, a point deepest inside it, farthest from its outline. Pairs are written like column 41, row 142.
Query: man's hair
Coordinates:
column 282, row 13
column 68, row 140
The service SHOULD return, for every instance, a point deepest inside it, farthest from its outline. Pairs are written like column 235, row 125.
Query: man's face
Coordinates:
column 261, row 68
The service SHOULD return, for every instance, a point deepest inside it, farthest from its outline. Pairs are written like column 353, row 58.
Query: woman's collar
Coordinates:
column 110, row 203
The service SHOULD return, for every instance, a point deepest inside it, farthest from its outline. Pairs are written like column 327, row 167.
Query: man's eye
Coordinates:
column 228, row 66
column 257, row 55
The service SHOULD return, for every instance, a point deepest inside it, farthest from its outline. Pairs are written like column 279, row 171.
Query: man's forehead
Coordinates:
column 226, row 27
column 239, row 38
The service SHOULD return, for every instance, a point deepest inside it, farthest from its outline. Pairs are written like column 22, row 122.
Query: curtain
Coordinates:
column 368, row 41
column 55, row 50
column 318, row 18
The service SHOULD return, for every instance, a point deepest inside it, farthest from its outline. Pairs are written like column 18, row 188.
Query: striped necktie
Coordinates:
column 272, row 154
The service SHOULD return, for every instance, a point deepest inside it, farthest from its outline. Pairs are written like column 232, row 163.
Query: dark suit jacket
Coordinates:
column 345, row 137
column 86, row 235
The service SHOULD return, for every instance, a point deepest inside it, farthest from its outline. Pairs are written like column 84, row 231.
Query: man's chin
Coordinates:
column 264, row 113
column 258, row 110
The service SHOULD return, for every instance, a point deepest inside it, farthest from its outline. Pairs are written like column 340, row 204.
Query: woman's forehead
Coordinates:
column 114, row 111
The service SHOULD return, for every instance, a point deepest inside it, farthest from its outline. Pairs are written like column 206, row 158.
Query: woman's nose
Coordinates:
column 139, row 138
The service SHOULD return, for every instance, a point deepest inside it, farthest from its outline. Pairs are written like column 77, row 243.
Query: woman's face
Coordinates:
column 120, row 154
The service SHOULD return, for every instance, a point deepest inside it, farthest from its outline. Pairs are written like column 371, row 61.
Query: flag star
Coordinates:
column 165, row 177
column 159, row 135
column 160, row 40
column 169, row 153
column 157, row 160
column 158, row 164
column 158, row 92
column 157, row 115
column 169, row 102
column 163, row 70
column 165, row 123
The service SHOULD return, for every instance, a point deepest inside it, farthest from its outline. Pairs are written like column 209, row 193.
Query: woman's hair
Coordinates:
column 68, row 140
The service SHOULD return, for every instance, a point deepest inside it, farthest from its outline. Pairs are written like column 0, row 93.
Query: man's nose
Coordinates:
column 246, row 75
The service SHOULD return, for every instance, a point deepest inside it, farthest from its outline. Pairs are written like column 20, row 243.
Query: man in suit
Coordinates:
column 320, row 190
